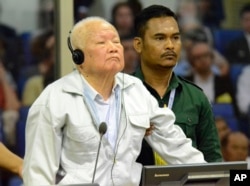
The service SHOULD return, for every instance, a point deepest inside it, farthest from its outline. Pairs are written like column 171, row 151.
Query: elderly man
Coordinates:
column 62, row 126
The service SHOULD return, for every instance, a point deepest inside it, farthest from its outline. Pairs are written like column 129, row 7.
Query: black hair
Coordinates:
column 153, row 11
column 245, row 9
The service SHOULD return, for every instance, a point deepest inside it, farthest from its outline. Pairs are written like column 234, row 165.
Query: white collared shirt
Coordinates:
column 106, row 111
column 206, row 85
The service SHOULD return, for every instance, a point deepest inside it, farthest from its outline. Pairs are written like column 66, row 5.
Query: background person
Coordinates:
column 222, row 127
column 183, row 68
column 243, row 90
column 131, row 57
column 218, row 89
column 9, row 107
column 43, row 49
column 235, row 147
column 122, row 18
column 238, row 50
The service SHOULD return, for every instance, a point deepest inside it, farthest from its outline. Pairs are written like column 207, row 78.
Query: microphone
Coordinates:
column 102, row 131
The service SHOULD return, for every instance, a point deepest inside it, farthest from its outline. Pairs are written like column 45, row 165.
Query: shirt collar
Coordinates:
column 175, row 82
column 73, row 83
column 93, row 94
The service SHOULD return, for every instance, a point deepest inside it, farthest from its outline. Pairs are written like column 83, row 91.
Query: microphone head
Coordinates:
column 102, row 128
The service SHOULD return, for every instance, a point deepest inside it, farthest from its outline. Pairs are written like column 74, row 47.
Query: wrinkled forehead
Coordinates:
column 91, row 30
column 94, row 29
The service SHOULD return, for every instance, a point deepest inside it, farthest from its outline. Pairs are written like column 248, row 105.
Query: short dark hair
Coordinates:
column 153, row 11
column 244, row 9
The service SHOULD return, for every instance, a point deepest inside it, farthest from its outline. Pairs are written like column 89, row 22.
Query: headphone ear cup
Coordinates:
column 78, row 56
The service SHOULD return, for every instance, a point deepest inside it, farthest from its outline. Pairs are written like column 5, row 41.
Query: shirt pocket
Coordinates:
column 188, row 123
column 139, row 124
column 81, row 143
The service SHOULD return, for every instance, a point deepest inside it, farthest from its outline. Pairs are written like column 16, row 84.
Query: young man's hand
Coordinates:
column 149, row 130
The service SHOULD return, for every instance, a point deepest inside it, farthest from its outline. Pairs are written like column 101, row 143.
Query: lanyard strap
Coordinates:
column 171, row 98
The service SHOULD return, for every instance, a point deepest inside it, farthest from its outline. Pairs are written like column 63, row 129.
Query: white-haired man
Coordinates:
column 63, row 123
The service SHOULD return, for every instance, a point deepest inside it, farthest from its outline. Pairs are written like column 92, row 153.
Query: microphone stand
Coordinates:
column 102, row 131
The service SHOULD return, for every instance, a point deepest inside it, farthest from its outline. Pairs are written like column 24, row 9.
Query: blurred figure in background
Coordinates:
column 135, row 5
column 81, row 9
column 188, row 17
column 235, row 147
column 222, row 127
column 186, row 9
column 9, row 107
column 220, row 65
column 10, row 48
column 9, row 115
column 130, row 55
column 122, row 18
column 219, row 89
column 243, row 91
column 238, row 50
column 243, row 99
column 211, row 13
column 45, row 56
column 193, row 29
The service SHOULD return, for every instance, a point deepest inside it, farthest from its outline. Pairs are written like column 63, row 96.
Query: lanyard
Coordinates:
column 171, row 98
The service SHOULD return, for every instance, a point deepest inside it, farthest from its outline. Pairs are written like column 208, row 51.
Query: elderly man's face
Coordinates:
column 103, row 50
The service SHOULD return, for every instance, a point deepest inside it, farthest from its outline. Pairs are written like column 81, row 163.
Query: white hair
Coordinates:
column 81, row 30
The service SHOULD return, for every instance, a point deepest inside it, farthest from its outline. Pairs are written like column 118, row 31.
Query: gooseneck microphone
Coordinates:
column 102, row 131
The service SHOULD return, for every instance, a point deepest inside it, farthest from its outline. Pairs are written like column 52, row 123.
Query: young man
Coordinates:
column 65, row 125
column 158, row 43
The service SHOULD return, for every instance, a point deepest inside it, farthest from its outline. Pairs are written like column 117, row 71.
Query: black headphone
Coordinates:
column 77, row 54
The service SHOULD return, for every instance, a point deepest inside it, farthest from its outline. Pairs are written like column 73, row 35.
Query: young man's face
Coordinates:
column 161, row 45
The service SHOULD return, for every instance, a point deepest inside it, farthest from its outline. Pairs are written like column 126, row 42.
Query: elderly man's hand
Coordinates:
column 149, row 130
